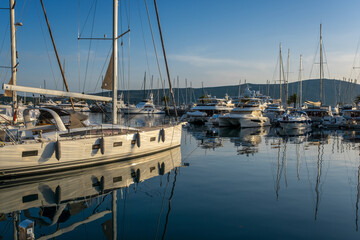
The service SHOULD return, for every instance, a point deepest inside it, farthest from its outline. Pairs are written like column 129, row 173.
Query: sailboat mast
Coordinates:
column 186, row 92
column 158, row 92
column 191, row 92
column 300, row 78
column 287, row 77
column 280, row 70
column 145, row 85
column 164, row 52
column 115, row 60
column 178, row 91
column 321, row 65
column 56, row 53
column 13, row 52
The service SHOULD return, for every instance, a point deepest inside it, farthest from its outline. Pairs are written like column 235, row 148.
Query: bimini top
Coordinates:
column 53, row 116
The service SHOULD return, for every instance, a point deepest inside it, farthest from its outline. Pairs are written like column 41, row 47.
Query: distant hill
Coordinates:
column 334, row 91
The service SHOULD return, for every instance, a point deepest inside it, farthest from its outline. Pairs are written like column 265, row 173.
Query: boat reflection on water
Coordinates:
column 307, row 141
column 201, row 132
column 308, row 181
column 292, row 132
column 246, row 140
column 57, row 198
column 350, row 140
column 320, row 137
column 351, row 136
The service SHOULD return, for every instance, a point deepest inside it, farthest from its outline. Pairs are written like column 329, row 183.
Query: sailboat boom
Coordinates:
column 55, row 93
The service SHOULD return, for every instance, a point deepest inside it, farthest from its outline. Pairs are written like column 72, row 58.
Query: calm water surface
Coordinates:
column 222, row 184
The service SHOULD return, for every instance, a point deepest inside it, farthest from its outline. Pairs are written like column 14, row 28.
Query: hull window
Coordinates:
column 117, row 179
column 117, row 144
column 30, row 153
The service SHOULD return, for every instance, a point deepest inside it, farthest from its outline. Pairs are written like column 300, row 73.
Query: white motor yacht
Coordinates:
column 316, row 112
column 352, row 118
column 80, row 106
column 274, row 111
column 295, row 120
column 207, row 107
column 245, row 115
column 120, row 104
column 146, row 106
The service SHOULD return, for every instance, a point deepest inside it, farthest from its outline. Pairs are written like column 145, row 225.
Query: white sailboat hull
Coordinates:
column 40, row 157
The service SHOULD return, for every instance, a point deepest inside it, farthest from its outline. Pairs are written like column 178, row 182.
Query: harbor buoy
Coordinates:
column 57, row 150
column 102, row 145
column 162, row 135
column 137, row 137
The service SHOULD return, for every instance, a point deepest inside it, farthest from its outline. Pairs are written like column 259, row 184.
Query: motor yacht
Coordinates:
column 146, row 106
column 246, row 114
column 295, row 120
column 208, row 106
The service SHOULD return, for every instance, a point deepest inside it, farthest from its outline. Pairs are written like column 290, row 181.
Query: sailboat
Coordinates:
column 53, row 144
column 315, row 110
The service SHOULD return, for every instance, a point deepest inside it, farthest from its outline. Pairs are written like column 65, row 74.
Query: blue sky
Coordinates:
column 215, row 42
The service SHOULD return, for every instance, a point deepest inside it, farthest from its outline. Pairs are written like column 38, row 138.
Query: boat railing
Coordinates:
column 9, row 136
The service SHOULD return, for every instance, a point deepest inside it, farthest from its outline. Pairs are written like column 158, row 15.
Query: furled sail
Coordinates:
column 9, row 93
column 108, row 80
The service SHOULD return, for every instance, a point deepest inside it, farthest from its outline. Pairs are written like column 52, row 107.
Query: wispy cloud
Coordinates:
column 201, row 61
column 337, row 64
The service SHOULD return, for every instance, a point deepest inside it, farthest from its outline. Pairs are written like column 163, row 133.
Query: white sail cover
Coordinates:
column 8, row 93
column 311, row 103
